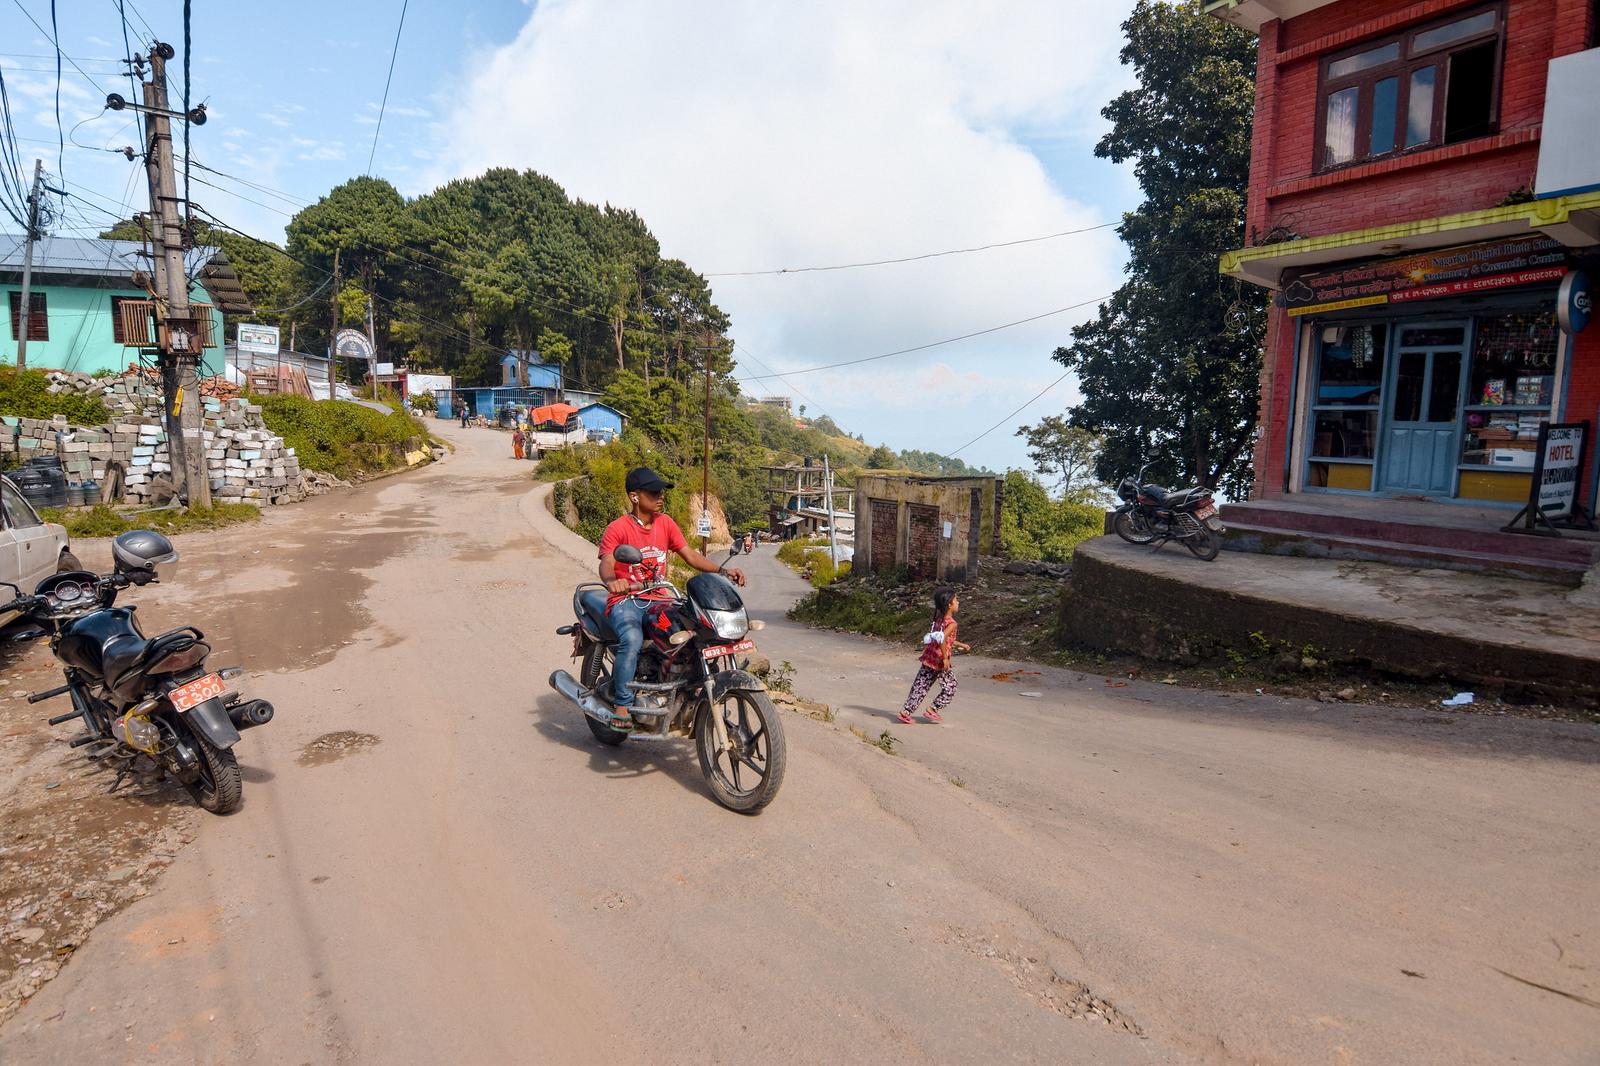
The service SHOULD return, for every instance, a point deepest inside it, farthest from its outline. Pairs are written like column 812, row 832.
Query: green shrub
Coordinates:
column 1034, row 526
column 340, row 438
column 26, row 394
column 425, row 401
column 858, row 609
column 103, row 521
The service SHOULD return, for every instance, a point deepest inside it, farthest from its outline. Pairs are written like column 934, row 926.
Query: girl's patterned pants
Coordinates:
column 926, row 676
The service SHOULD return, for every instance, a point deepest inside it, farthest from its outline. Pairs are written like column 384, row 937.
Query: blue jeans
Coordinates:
column 627, row 621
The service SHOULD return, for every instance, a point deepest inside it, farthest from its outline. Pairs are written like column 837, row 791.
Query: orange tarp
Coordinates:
column 556, row 412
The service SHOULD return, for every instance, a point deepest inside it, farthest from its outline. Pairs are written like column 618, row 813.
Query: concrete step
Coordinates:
column 1269, row 540
column 1569, row 548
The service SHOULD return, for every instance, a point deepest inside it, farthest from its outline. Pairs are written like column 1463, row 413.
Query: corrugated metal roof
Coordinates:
column 75, row 255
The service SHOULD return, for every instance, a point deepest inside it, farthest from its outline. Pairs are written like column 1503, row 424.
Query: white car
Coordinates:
column 31, row 549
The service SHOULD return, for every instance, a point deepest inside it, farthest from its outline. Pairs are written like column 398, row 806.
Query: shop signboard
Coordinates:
column 1574, row 303
column 1429, row 275
column 1557, row 469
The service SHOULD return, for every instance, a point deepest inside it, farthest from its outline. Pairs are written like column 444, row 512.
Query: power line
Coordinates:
column 936, row 344
column 384, row 106
column 61, row 142
column 64, row 55
column 910, row 258
column 1010, row 416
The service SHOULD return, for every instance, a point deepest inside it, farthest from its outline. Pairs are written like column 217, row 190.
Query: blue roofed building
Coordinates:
column 524, row 368
column 602, row 421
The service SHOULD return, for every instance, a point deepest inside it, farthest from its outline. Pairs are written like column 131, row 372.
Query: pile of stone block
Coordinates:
column 245, row 461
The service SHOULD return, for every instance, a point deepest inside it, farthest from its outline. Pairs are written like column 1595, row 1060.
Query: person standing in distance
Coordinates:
column 647, row 527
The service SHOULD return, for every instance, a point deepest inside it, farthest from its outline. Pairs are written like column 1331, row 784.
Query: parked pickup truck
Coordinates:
column 31, row 549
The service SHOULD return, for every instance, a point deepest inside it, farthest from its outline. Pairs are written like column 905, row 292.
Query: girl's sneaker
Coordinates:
column 932, row 715
column 906, row 718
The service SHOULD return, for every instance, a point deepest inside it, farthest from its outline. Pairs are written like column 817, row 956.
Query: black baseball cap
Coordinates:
column 646, row 480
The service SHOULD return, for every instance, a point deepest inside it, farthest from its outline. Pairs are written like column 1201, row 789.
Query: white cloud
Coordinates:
column 323, row 152
column 794, row 135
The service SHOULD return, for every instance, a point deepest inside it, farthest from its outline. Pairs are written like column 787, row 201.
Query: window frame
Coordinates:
column 14, row 307
column 1402, row 69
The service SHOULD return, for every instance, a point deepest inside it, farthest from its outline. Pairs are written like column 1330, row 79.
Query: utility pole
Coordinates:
column 333, row 333
column 25, row 308
column 179, row 334
column 827, row 488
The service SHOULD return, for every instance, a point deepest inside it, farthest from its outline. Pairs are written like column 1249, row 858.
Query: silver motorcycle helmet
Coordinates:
column 141, row 551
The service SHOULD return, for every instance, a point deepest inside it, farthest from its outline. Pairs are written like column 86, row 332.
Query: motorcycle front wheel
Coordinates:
column 746, row 778
column 1131, row 527
column 1205, row 544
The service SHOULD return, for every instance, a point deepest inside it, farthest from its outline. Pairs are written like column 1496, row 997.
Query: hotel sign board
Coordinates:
column 1557, row 472
column 1429, row 275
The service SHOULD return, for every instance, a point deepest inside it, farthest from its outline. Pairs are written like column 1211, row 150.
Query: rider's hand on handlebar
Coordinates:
column 736, row 576
column 619, row 586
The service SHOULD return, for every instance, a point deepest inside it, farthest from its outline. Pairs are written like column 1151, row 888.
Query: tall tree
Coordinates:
column 1169, row 368
column 1066, row 452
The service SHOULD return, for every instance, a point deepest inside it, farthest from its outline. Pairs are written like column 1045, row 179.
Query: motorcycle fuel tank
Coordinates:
column 85, row 643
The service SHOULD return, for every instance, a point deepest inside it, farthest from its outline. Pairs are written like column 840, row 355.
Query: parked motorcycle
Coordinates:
column 1150, row 514
column 149, row 704
column 689, row 683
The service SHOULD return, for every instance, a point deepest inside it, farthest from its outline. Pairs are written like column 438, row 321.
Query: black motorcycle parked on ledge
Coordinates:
column 148, row 703
column 1150, row 514
column 688, row 684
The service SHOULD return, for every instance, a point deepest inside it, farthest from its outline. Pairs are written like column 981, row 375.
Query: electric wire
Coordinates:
column 940, row 343
column 909, row 258
column 61, row 142
column 395, row 51
column 64, row 55
column 1036, row 398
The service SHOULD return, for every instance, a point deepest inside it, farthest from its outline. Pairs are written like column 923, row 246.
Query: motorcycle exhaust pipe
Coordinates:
column 587, row 701
column 250, row 714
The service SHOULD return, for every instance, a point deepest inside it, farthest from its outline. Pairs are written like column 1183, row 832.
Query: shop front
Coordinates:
column 1431, row 376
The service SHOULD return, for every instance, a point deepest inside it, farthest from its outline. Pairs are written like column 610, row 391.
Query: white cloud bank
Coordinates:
column 758, row 136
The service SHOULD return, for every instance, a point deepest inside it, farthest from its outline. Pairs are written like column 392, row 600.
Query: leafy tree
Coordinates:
column 881, row 458
column 1066, row 452
column 1169, row 368
column 1033, row 526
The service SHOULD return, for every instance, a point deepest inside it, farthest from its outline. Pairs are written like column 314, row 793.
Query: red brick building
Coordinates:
column 1425, row 190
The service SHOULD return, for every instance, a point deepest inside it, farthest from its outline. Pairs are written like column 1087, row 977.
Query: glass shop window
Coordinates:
column 1509, row 390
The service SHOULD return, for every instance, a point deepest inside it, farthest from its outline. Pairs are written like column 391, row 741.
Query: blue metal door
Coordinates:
column 1421, row 435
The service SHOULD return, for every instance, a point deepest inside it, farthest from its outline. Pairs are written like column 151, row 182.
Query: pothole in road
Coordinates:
column 1037, row 978
column 331, row 746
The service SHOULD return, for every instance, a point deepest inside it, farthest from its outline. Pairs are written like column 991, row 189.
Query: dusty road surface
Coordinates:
column 436, row 864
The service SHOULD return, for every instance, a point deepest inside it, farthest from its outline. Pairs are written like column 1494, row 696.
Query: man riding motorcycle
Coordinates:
column 647, row 527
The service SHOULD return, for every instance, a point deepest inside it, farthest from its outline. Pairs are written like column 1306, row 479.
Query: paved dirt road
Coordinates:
column 1122, row 875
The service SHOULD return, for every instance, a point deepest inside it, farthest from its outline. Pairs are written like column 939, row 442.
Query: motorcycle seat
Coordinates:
column 1155, row 492
column 593, row 603
column 137, row 657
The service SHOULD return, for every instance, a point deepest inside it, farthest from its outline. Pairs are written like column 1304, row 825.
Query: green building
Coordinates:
column 76, row 295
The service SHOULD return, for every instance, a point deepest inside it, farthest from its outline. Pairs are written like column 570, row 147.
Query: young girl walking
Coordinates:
column 937, row 648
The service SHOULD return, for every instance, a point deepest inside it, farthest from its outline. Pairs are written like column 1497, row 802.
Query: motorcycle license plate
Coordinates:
column 1205, row 510
column 719, row 650
column 185, row 697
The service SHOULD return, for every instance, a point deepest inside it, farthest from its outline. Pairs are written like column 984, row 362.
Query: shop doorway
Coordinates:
column 1421, row 418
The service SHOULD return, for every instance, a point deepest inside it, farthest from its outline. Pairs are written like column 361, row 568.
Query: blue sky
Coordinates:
column 748, row 137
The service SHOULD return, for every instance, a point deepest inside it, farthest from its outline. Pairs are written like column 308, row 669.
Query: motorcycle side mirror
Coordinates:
column 15, row 591
column 27, row 636
column 627, row 553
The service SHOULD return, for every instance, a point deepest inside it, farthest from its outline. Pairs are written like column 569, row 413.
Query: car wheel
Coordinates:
column 68, row 562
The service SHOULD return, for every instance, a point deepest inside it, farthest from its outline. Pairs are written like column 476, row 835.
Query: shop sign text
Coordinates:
column 1447, row 272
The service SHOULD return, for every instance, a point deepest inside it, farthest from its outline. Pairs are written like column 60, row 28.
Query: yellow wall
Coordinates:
column 1494, row 485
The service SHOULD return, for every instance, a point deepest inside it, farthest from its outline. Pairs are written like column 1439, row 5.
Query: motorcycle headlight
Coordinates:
column 729, row 625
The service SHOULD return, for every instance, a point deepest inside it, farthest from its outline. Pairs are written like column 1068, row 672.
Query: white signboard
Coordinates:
column 417, row 384
column 384, row 370
column 704, row 527
column 263, row 340
column 1558, row 473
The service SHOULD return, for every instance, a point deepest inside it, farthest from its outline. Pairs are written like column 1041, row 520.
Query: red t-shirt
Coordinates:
column 937, row 656
column 654, row 543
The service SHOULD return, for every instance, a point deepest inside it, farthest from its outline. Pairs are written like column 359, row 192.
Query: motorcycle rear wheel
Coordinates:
column 748, row 778
column 1206, row 544
column 1133, row 529
column 219, row 786
column 592, row 676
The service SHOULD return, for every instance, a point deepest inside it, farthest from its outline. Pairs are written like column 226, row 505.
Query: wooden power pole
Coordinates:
column 179, row 336
column 24, row 308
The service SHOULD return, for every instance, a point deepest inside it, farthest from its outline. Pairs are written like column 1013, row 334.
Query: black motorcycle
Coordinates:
column 689, row 683
column 149, row 704
column 1150, row 514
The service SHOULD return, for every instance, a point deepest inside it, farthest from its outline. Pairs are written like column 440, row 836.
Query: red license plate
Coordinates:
column 1205, row 510
column 717, row 651
column 197, row 692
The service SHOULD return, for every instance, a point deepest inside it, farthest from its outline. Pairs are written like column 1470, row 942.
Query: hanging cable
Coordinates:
column 1010, row 416
column 910, row 258
column 385, row 105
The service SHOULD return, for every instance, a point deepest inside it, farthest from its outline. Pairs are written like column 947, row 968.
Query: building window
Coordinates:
column 1509, row 389
column 38, row 318
column 1430, row 86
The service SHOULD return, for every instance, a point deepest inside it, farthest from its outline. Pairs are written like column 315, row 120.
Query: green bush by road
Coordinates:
column 341, row 438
